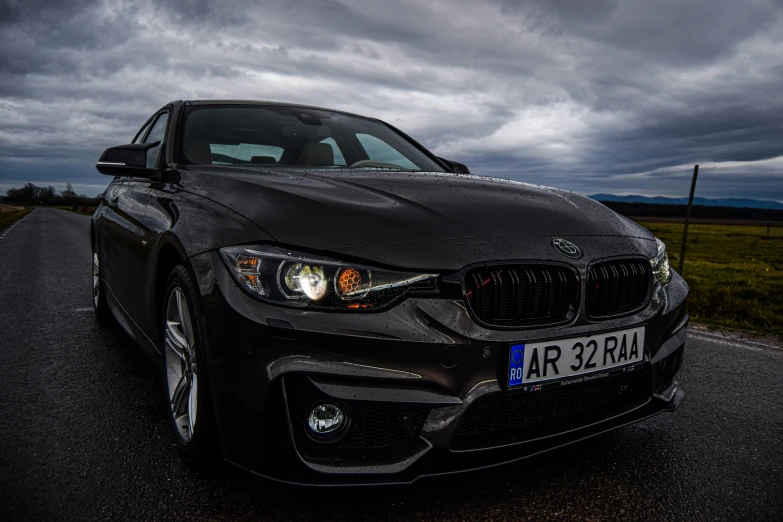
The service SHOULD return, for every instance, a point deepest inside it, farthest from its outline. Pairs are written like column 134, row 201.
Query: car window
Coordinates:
column 339, row 159
column 140, row 135
column 157, row 133
column 380, row 151
column 296, row 136
column 242, row 153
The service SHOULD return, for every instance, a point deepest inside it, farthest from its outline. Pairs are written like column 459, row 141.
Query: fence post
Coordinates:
column 687, row 220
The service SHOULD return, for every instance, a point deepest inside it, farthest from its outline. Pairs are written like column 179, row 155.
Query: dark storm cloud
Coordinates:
column 602, row 96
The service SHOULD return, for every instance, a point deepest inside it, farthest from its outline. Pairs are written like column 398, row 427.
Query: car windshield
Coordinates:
column 274, row 135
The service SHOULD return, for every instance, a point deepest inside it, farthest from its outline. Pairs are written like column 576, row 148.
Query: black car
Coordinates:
column 331, row 303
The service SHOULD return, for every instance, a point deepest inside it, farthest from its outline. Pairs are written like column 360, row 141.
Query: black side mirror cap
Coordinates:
column 128, row 160
column 455, row 166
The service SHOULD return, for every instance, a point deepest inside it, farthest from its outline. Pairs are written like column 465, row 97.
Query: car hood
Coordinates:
column 416, row 219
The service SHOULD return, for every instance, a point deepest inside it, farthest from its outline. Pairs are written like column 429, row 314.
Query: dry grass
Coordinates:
column 10, row 213
column 9, row 209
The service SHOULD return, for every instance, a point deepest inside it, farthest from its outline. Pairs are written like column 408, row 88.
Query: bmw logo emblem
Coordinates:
column 566, row 248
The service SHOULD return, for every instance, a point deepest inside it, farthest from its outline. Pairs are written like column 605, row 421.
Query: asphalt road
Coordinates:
column 84, row 435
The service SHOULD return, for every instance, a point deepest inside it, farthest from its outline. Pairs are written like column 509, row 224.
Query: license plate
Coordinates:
column 559, row 359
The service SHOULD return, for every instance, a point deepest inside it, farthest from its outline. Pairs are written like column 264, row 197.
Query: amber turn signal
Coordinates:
column 349, row 281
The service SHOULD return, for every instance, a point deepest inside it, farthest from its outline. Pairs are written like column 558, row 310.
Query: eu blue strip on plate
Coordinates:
column 515, row 363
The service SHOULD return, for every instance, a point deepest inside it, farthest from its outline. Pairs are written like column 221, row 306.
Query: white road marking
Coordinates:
column 85, row 309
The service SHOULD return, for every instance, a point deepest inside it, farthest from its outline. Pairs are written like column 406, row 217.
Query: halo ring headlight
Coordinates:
column 306, row 280
column 286, row 277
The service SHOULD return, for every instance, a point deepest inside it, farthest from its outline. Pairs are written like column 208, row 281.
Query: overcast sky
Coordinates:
column 592, row 96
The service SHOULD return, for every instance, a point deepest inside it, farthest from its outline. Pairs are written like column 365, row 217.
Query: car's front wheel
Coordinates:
column 187, row 382
column 99, row 304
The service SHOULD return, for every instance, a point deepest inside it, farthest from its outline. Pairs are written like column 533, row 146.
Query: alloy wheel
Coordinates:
column 181, row 374
column 96, row 279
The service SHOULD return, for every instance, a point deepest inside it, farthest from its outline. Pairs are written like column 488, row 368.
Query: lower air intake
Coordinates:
column 516, row 416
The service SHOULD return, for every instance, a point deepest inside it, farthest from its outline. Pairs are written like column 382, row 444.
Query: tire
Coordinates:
column 187, row 387
column 99, row 304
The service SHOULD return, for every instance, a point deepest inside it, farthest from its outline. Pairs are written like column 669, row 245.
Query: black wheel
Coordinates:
column 99, row 304
column 187, row 389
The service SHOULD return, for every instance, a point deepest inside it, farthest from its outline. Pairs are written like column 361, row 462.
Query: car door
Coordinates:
column 108, row 224
column 105, row 227
column 131, row 234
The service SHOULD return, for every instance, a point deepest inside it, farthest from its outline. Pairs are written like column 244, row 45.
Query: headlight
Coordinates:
column 305, row 280
column 302, row 280
column 660, row 264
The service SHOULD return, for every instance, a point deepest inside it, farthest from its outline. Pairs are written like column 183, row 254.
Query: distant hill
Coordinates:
column 710, row 202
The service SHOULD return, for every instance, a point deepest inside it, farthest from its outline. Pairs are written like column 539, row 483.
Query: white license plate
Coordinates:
column 562, row 358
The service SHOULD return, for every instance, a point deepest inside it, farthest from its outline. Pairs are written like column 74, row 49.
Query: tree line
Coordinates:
column 32, row 194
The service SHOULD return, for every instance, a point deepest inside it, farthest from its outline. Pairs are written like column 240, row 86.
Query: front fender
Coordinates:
column 198, row 224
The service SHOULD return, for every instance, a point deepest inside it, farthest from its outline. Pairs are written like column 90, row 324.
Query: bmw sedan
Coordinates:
column 331, row 303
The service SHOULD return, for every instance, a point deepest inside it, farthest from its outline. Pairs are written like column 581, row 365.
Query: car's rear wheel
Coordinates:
column 99, row 304
column 187, row 381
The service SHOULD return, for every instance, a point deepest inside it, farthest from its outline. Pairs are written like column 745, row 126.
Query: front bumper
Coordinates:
column 410, row 377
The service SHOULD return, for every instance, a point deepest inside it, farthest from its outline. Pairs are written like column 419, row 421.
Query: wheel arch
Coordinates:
column 170, row 254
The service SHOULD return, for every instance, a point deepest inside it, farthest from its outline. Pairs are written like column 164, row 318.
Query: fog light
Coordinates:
column 326, row 418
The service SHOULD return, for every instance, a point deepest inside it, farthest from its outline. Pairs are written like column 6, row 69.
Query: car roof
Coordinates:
column 261, row 103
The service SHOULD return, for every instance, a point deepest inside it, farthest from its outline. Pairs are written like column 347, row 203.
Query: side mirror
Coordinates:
column 456, row 167
column 128, row 160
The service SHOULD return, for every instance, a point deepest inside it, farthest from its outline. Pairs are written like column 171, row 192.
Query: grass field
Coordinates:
column 10, row 213
column 735, row 273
